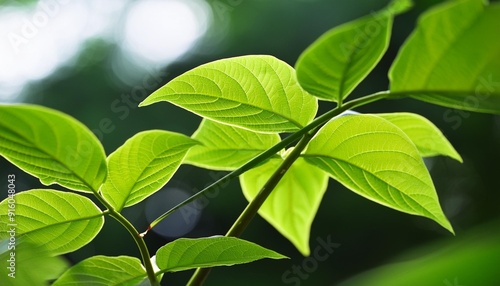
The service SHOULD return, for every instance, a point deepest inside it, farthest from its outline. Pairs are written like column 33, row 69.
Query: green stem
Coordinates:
column 273, row 150
column 201, row 274
column 251, row 210
column 141, row 244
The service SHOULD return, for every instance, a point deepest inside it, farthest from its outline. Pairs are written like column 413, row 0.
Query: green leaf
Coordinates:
column 342, row 57
column 59, row 221
column 226, row 147
column 375, row 159
column 258, row 93
column 105, row 271
column 453, row 57
column 28, row 264
column 424, row 134
column 293, row 204
column 143, row 165
column 52, row 146
column 186, row 253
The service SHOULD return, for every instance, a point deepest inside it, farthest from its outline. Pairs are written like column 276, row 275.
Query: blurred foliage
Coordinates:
column 471, row 259
column 369, row 234
column 38, row 265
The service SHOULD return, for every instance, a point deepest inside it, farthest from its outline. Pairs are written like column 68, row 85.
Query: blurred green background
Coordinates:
column 96, row 60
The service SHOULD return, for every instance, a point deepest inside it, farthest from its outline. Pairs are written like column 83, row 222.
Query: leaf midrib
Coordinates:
column 133, row 185
column 61, row 222
column 53, row 158
column 291, row 120
column 364, row 170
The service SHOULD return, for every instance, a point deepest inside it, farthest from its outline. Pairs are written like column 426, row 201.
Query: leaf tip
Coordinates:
column 145, row 102
column 458, row 158
column 447, row 225
column 397, row 7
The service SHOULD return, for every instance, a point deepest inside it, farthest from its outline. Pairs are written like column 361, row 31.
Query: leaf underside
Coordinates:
column 105, row 271
column 186, row 253
column 258, row 93
column 375, row 159
column 52, row 146
column 225, row 147
column 61, row 222
column 424, row 134
column 293, row 204
column 143, row 165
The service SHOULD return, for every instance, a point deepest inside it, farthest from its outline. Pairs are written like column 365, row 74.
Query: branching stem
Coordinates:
column 201, row 274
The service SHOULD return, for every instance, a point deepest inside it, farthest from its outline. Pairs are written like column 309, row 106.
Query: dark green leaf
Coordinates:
column 453, row 57
column 341, row 58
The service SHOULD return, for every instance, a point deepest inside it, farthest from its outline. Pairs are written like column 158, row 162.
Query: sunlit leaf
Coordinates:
column 258, row 93
column 375, row 159
column 453, row 57
column 341, row 58
column 105, row 271
column 186, row 253
column 292, row 205
column 226, row 147
column 52, row 146
column 143, row 165
column 60, row 222
column 423, row 133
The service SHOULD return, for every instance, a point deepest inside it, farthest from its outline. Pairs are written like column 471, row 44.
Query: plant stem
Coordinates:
column 141, row 244
column 201, row 274
column 251, row 210
column 273, row 150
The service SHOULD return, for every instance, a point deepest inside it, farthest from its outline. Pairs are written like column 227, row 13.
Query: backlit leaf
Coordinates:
column 52, row 146
column 188, row 253
column 293, row 204
column 375, row 159
column 143, row 165
column 423, row 133
column 60, row 222
column 341, row 58
column 105, row 271
column 258, row 93
column 226, row 147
